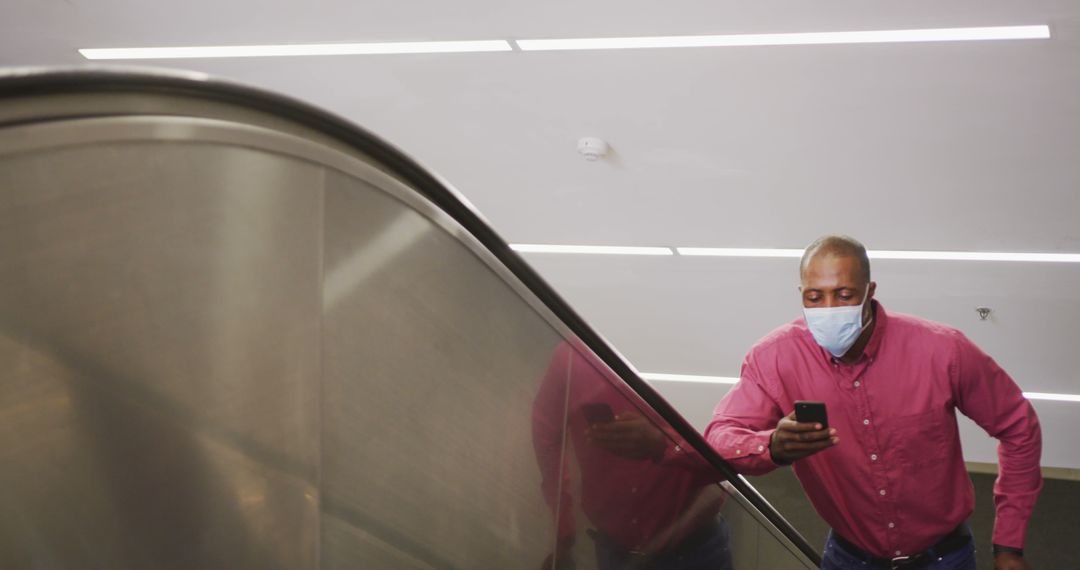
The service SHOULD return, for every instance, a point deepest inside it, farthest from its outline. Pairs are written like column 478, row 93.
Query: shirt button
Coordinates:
column 882, row 492
column 761, row 448
column 866, row 422
column 873, row 457
column 678, row 449
column 891, row 525
column 898, row 553
column 738, row 452
column 856, row 383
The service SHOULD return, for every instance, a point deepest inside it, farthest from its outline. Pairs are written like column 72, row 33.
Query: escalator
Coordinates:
column 239, row 332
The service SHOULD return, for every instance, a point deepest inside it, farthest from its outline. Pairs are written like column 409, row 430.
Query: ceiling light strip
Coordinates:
column 661, row 377
column 890, row 254
column 591, row 249
column 738, row 252
column 735, row 40
column 292, row 50
column 657, row 377
column 797, row 253
column 1055, row 397
column 977, row 256
column 810, row 38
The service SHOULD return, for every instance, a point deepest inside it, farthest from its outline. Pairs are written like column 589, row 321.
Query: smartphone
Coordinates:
column 597, row 413
column 811, row 412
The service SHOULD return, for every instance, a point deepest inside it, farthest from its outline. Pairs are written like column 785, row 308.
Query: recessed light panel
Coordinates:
column 1054, row 397
column 802, row 38
column 590, row 249
column 662, row 377
column 977, row 256
column 292, row 50
column 738, row 252
column 657, row 377
column 890, row 254
column 644, row 42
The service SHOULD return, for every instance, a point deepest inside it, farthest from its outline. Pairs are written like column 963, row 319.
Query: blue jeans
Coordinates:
column 836, row 558
column 713, row 554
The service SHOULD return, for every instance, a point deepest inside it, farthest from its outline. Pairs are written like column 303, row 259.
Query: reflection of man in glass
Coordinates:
column 652, row 505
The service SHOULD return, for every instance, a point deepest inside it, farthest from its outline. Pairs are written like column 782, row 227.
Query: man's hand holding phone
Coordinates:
column 628, row 435
column 794, row 440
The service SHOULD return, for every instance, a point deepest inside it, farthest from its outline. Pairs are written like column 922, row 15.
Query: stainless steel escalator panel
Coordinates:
column 174, row 283
column 430, row 366
column 233, row 341
column 159, row 312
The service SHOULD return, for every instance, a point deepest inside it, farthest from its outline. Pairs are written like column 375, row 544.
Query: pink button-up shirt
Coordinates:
column 896, row 482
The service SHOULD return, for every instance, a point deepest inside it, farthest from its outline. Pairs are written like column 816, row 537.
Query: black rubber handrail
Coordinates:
column 37, row 82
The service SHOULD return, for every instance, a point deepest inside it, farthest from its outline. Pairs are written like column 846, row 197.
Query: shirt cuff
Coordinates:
column 767, row 454
column 754, row 445
column 997, row 548
column 1008, row 531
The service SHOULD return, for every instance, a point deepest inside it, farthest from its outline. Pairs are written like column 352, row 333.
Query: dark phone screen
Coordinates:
column 597, row 413
column 811, row 412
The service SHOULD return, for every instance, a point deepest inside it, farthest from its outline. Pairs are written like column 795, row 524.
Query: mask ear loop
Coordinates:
column 866, row 298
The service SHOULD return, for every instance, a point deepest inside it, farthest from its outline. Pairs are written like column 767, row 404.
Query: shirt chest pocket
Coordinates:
column 917, row 440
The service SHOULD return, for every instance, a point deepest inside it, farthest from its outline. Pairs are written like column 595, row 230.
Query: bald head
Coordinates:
column 837, row 246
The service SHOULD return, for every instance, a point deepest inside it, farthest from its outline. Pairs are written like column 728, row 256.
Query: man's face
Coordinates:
column 833, row 281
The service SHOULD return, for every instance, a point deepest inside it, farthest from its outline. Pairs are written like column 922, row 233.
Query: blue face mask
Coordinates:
column 836, row 328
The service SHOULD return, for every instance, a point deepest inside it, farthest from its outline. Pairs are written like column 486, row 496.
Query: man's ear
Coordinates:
column 873, row 289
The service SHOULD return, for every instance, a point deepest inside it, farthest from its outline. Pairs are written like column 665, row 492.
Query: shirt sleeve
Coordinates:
column 986, row 394
column 679, row 455
column 744, row 422
column 549, row 440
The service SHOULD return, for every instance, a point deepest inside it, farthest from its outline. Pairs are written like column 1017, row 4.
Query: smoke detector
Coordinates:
column 592, row 148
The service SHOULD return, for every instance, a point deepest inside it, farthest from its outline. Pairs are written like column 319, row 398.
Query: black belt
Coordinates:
column 955, row 540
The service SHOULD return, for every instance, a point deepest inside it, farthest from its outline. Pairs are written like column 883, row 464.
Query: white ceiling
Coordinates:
column 960, row 146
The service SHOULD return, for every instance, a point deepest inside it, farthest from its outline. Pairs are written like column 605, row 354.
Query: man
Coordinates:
column 652, row 503
column 887, row 473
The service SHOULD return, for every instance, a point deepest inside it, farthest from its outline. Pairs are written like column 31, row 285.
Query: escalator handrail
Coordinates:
column 44, row 81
